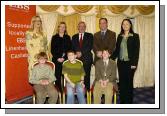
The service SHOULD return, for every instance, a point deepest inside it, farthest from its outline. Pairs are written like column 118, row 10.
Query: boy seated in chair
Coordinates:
column 105, row 78
column 74, row 75
column 43, row 78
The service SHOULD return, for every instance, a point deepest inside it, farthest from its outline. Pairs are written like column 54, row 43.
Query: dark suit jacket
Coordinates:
column 59, row 46
column 108, row 42
column 133, row 46
column 110, row 72
column 87, row 46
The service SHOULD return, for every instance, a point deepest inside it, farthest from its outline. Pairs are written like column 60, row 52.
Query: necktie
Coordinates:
column 102, row 35
column 105, row 68
column 80, row 41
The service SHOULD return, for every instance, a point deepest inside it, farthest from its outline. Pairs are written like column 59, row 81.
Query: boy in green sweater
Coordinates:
column 74, row 75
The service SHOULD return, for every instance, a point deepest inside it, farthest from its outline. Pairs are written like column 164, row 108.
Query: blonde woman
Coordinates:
column 36, row 41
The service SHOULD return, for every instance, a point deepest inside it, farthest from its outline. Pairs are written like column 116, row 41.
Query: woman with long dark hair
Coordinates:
column 127, row 52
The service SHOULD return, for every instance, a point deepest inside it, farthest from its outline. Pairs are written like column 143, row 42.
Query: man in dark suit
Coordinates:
column 82, row 43
column 103, row 39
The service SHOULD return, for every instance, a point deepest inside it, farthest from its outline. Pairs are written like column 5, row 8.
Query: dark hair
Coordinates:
column 42, row 55
column 70, row 51
column 131, row 28
column 103, row 19
column 106, row 49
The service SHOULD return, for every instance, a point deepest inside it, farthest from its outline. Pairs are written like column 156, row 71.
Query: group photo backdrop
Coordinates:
column 16, row 64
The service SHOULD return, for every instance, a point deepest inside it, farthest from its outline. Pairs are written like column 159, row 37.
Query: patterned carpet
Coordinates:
column 141, row 96
column 144, row 95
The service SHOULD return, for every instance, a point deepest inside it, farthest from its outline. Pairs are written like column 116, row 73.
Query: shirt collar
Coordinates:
column 106, row 61
column 130, row 34
column 104, row 31
column 81, row 33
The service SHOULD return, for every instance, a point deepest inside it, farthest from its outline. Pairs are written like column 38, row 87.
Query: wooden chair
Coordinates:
column 53, row 67
column 90, row 93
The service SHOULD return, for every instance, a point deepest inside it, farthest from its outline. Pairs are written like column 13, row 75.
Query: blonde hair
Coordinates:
column 65, row 32
column 32, row 23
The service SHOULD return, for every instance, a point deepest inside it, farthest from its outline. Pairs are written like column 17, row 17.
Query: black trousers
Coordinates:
column 126, row 75
column 58, row 75
column 87, row 69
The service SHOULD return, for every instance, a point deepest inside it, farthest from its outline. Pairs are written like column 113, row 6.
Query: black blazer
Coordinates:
column 87, row 46
column 59, row 46
column 133, row 46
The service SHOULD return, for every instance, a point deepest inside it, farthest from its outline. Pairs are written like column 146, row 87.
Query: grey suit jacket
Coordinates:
column 110, row 72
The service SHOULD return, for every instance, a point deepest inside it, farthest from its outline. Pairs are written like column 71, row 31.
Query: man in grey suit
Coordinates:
column 105, row 38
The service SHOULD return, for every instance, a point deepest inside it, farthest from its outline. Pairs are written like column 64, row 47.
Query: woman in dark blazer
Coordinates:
column 127, row 52
column 60, row 44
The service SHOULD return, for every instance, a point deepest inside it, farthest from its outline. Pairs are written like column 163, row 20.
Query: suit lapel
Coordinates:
column 100, row 38
column 102, row 66
column 109, row 66
column 130, row 41
column 83, row 42
column 120, row 40
column 78, row 37
column 77, row 40
column 106, row 34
